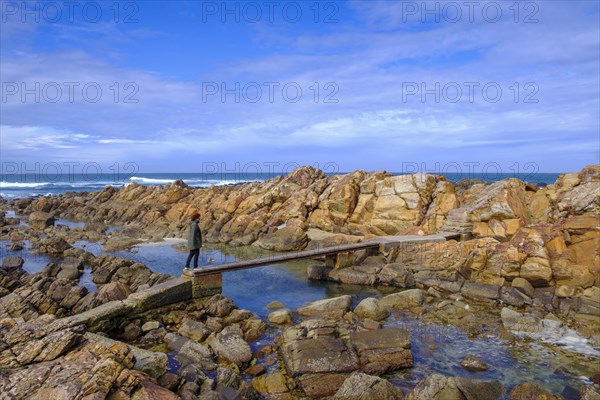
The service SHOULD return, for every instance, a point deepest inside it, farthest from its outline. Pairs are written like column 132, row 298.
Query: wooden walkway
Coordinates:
column 383, row 243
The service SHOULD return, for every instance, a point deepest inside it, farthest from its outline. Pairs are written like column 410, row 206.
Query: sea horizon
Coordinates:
column 19, row 185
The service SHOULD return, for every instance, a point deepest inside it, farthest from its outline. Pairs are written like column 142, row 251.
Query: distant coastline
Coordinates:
column 13, row 186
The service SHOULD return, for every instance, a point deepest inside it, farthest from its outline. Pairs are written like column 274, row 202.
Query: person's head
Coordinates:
column 195, row 216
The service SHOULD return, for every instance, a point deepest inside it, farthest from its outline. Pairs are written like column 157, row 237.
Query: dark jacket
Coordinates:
column 194, row 236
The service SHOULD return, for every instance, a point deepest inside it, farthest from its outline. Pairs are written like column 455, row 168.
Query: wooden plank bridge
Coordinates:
column 208, row 280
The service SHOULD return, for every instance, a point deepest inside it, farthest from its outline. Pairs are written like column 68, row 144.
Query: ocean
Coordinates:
column 19, row 185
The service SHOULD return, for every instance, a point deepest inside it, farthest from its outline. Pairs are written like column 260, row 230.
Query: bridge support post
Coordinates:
column 204, row 285
column 339, row 260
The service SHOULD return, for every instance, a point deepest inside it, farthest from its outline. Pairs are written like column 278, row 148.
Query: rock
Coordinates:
column 274, row 305
column 360, row 386
column 530, row 391
column 194, row 330
column 537, row 271
column 149, row 390
column 321, row 385
column 198, row 354
column 169, row 381
column 53, row 246
column 12, row 262
column 371, row 309
column 280, row 317
column 383, row 350
column 40, row 220
column 589, row 392
column 131, row 332
column 150, row 362
column 229, row 345
column 70, row 269
column 331, row 308
column 402, row 300
column 290, row 238
column 515, row 321
column 480, row 291
column 439, row 387
column 271, row 384
column 590, row 301
column 227, row 377
column 473, row 363
column 523, row 285
column 319, row 355
column 255, row 370
column 317, row 272
column 150, row 326
column 396, row 275
column 113, row 291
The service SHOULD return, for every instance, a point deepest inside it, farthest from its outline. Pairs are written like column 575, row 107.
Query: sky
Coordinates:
column 434, row 86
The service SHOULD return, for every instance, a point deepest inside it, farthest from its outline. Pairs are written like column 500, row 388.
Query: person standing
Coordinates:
column 194, row 240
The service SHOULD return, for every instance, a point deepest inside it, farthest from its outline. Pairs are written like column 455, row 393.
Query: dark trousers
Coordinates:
column 193, row 253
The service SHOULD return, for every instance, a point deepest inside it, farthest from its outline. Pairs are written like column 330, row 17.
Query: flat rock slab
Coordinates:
column 320, row 355
column 383, row 350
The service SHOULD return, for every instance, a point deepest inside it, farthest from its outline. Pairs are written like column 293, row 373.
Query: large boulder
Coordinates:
column 40, row 220
column 230, row 346
column 371, row 309
column 383, row 350
column 402, row 300
column 289, row 238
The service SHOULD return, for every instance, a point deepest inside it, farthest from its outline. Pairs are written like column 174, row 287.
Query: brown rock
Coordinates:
column 530, row 391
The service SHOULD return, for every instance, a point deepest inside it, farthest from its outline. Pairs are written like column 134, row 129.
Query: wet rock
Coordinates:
column 360, row 386
column 439, row 387
column 40, row 220
column 194, row 330
column 530, row 391
column 515, row 321
column 473, row 363
column 12, row 262
column 383, row 350
column 318, row 272
column 280, row 317
column 590, row 301
column 321, row 385
column 275, row 305
column 332, row 308
column 402, row 300
column 371, row 308
column 230, row 346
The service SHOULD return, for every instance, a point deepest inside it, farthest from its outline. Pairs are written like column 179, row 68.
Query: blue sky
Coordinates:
column 361, row 84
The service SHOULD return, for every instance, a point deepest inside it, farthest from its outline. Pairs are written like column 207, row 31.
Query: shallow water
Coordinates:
column 436, row 348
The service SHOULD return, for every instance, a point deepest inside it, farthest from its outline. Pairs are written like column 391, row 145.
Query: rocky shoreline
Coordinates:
column 532, row 266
